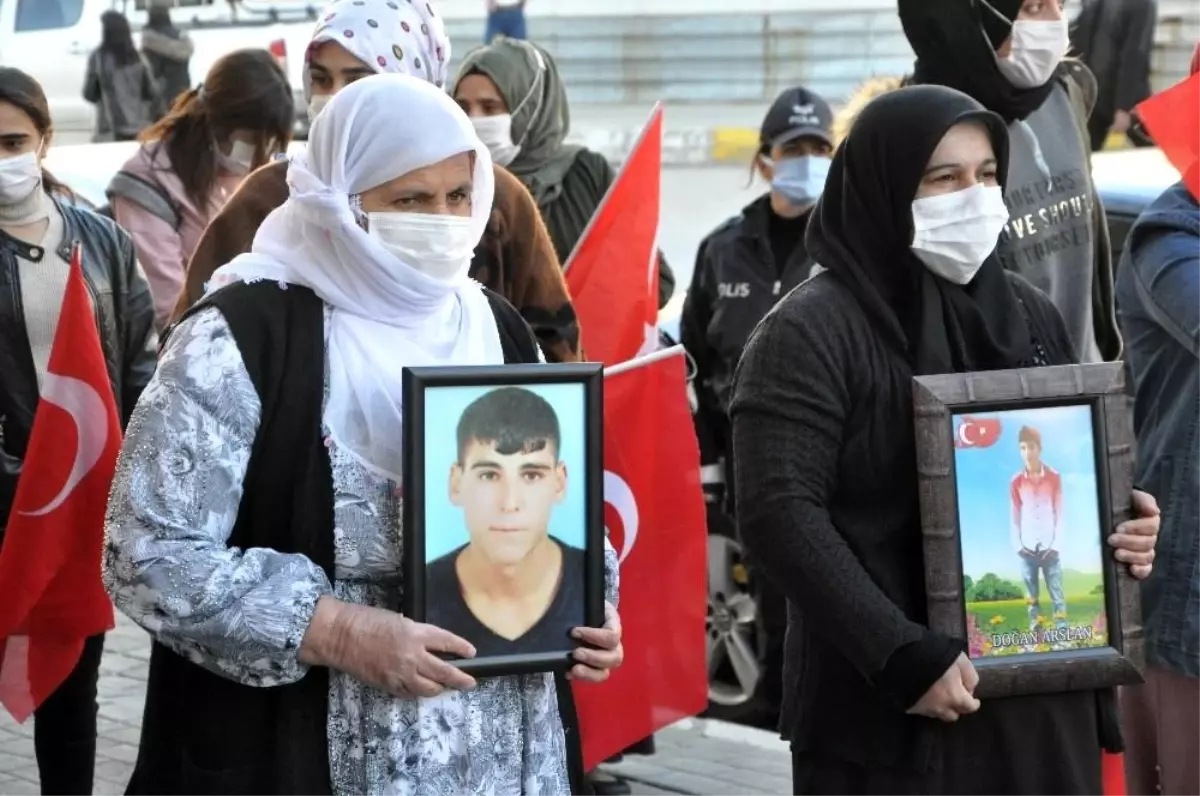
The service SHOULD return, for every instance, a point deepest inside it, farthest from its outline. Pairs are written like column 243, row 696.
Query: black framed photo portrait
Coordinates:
column 504, row 509
column 1023, row 476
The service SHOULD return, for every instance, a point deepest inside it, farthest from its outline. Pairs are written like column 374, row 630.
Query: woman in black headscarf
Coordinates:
column 1010, row 55
column 824, row 451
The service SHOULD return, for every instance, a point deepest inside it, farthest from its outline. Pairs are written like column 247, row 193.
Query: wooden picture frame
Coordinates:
column 479, row 512
column 958, row 414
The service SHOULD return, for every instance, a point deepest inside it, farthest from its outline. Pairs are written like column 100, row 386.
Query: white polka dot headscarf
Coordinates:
column 397, row 36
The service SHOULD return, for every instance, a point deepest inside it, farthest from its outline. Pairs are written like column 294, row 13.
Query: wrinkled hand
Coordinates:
column 952, row 695
column 397, row 656
column 1135, row 539
column 595, row 664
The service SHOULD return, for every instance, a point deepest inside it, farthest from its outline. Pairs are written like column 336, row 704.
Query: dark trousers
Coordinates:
column 508, row 22
column 1162, row 731
column 64, row 728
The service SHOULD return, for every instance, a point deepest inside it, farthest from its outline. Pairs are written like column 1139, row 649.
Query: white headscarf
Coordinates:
column 391, row 36
column 387, row 314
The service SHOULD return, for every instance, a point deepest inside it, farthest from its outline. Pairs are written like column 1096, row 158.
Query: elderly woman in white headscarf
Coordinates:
column 254, row 527
column 352, row 40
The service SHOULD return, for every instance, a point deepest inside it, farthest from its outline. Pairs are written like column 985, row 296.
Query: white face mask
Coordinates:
column 496, row 134
column 436, row 245
column 1038, row 48
column 316, row 105
column 20, row 176
column 954, row 233
column 239, row 160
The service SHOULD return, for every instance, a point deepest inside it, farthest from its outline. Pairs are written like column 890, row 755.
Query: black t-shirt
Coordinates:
column 446, row 608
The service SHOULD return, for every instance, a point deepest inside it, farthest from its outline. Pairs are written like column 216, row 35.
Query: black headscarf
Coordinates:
column 955, row 42
column 862, row 231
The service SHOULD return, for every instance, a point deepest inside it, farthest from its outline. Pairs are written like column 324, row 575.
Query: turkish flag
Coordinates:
column 977, row 432
column 654, row 514
column 613, row 273
column 1172, row 118
column 1113, row 774
column 51, row 596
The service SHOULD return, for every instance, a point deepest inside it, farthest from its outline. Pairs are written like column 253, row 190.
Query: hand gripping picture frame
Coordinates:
column 1023, row 475
column 503, row 509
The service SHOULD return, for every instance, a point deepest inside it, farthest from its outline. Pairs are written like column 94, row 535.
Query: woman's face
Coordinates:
column 331, row 67
column 443, row 189
column 1033, row 11
column 479, row 96
column 18, row 133
column 964, row 158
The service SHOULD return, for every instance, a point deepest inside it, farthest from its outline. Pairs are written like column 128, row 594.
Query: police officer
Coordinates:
column 742, row 269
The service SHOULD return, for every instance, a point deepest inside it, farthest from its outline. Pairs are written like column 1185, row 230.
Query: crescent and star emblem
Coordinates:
column 618, row 494
column 87, row 410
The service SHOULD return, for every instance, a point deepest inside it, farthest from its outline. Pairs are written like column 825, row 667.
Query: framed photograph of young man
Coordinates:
column 1023, row 476
column 504, row 509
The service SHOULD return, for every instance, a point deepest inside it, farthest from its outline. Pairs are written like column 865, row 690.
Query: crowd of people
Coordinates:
column 426, row 223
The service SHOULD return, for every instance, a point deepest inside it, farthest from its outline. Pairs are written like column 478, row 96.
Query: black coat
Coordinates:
column 124, row 316
column 735, row 283
column 827, row 500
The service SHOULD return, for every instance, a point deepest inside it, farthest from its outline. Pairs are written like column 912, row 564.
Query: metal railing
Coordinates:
column 729, row 58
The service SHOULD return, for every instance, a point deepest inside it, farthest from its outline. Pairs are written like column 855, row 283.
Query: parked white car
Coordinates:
column 52, row 40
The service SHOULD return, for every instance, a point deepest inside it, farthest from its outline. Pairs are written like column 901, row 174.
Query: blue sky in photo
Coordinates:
column 445, row 529
column 984, row 475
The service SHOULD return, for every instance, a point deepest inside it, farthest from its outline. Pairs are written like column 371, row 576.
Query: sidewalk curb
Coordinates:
column 736, row 733
column 688, row 146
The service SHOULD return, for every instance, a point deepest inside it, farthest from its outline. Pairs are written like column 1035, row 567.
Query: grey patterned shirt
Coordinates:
column 242, row 613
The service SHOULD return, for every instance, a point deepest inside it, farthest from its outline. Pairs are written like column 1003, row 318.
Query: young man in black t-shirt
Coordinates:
column 512, row 588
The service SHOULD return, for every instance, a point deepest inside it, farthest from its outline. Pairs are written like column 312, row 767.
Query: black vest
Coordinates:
column 203, row 733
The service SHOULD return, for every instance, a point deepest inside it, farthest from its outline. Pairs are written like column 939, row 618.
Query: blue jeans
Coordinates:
column 1052, row 570
column 507, row 21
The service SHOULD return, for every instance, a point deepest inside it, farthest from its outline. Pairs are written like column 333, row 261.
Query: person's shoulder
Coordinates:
column 149, row 155
column 821, row 305
column 516, row 335
column 1079, row 82
column 725, row 233
column 1032, row 298
column 818, row 321
column 91, row 227
column 264, row 187
column 591, row 161
column 441, row 575
column 571, row 553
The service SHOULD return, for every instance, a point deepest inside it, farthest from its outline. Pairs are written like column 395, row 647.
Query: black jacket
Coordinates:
column 203, row 733
column 735, row 283
column 124, row 315
column 567, row 216
column 827, row 500
column 1115, row 38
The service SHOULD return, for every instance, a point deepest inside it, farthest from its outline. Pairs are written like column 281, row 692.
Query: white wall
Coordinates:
column 470, row 9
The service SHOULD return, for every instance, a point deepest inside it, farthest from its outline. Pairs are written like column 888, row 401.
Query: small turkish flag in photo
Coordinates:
column 976, row 432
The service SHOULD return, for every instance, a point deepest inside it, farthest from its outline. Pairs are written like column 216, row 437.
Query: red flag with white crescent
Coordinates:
column 1172, row 117
column 51, row 595
column 612, row 274
column 654, row 514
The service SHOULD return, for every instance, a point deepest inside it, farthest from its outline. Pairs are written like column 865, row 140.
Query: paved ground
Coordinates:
column 697, row 757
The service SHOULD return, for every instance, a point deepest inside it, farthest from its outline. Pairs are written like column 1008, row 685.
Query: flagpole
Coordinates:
column 648, row 359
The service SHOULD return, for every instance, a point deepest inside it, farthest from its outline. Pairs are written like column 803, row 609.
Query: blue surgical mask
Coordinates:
column 800, row 180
